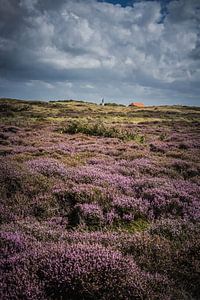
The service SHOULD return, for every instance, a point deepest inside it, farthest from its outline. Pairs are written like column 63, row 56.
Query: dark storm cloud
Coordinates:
column 88, row 49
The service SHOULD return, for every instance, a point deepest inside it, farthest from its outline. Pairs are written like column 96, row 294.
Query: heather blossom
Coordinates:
column 91, row 214
column 47, row 166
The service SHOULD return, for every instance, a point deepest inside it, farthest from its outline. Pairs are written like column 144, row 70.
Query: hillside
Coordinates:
column 99, row 202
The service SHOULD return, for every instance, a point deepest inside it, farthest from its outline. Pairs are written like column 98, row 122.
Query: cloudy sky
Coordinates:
column 87, row 49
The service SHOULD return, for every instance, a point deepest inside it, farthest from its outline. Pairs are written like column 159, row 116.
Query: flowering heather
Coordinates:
column 93, row 214
column 10, row 177
column 111, row 217
column 82, row 192
column 6, row 215
column 104, row 178
column 125, row 205
column 78, row 270
column 47, row 166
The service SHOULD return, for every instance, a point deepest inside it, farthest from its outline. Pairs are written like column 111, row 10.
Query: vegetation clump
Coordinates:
column 101, row 130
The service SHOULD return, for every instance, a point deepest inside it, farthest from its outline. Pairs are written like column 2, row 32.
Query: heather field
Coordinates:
column 99, row 202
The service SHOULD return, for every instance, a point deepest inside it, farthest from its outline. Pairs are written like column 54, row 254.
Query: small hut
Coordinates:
column 137, row 104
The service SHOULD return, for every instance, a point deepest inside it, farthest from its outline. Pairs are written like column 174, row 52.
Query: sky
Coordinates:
column 122, row 51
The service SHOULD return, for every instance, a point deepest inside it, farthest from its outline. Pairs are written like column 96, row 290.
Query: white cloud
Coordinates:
column 88, row 86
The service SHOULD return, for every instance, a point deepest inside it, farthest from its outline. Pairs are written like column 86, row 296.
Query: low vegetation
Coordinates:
column 99, row 202
column 100, row 129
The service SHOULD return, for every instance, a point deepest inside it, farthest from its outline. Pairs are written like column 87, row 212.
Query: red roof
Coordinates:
column 138, row 104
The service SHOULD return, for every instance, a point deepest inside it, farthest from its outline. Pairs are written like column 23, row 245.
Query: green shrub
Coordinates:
column 100, row 129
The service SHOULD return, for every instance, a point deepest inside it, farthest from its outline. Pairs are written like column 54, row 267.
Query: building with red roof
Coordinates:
column 137, row 104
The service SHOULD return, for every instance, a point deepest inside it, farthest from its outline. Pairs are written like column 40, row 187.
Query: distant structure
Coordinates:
column 137, row 104
column 102, row 102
